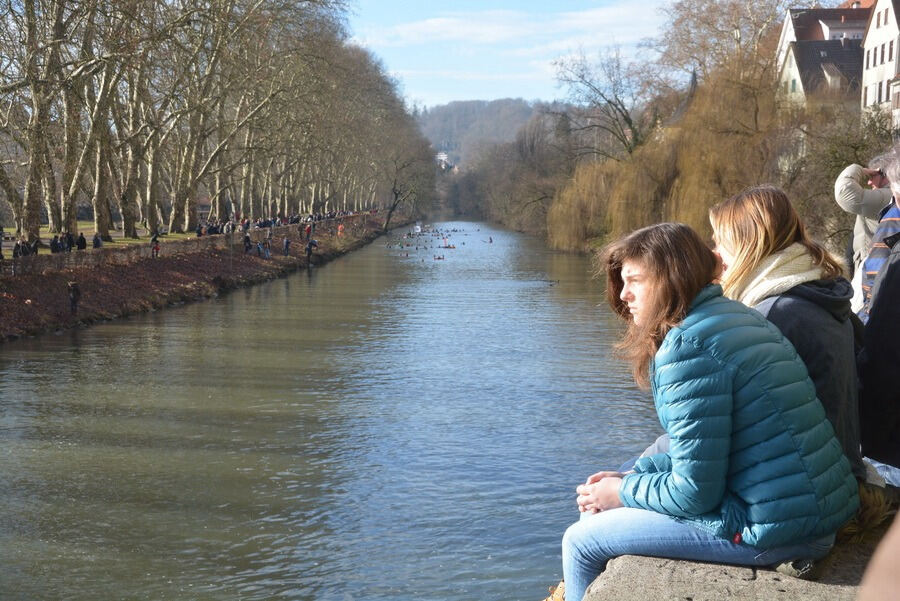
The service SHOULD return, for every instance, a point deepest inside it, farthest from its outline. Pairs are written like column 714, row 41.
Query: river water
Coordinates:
column 385, row 427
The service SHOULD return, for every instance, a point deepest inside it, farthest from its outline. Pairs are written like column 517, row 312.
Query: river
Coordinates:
column 389, row 426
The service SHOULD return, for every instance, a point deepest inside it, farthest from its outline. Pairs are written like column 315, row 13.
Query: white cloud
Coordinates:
column 504, row 53
column 486, row 27
column 538, row 73
column 616, row 23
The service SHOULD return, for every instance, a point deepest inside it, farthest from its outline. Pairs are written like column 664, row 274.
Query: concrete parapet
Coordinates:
column 632, row 578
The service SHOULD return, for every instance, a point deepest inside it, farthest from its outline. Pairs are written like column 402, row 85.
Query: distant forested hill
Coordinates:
column 461, row 127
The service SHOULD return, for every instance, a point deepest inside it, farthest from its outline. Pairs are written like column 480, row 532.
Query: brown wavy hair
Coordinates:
column 678, row 265
column 757, row 223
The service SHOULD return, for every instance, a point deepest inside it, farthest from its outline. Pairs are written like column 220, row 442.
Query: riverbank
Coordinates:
column 38, row 303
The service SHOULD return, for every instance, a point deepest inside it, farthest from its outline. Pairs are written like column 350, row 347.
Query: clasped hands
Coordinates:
column 600, row 492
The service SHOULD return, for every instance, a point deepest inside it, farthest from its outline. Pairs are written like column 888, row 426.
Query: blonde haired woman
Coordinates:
column 772, row 265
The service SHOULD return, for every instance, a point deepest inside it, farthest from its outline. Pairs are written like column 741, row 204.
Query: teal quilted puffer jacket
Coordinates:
column 752, row 457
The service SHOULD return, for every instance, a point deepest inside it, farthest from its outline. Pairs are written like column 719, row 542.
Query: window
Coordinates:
column 886, row 15
column 865, row 94
column 793, row 85
column 882, row 54
column 879, row 91
column 891, row 51
column 877, row 20
column 868, row 53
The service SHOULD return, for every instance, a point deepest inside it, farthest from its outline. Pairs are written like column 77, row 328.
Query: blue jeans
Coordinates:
column 598, row 537
column 890, row 473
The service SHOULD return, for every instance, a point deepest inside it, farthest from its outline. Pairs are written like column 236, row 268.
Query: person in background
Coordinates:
column 885, row 236
column 74, row 297
column 852, row 195
column 98, row 242
column 879, row 397
column 309, row 251
column 739, row 409
column 81, row 243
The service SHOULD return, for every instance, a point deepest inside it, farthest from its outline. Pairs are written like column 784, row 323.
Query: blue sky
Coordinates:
column 468, row 50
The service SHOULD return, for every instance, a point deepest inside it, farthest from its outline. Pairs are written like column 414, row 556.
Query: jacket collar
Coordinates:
column 709, row 291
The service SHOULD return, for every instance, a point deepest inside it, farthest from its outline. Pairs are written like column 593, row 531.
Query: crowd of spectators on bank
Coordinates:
column 68, row 241
column 218, row 226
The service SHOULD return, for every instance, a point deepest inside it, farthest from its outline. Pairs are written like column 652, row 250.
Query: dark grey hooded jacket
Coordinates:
column 816, row 317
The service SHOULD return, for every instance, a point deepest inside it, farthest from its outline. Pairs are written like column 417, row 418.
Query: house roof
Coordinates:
column 815, row 58
column 807, row 21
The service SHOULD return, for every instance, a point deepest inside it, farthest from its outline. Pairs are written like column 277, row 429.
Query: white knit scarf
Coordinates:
column 778, row 273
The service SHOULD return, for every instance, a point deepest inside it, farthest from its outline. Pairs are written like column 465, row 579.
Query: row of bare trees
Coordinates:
column 145, row 108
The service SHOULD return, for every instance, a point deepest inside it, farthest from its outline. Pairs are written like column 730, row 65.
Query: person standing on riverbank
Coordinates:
column 852, row 196
column 739, row 409
column 74, row 297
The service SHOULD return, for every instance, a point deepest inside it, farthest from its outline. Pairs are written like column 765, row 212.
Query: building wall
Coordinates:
column 787, row 36
column 791, row 85
column 879, row 56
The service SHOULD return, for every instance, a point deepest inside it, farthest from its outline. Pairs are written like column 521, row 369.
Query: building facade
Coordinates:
column 880, row 47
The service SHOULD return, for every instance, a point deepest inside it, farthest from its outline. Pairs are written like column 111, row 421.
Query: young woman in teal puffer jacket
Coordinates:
column 754, row 474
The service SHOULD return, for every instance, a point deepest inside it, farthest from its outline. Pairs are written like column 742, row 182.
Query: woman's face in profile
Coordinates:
column 637, row 290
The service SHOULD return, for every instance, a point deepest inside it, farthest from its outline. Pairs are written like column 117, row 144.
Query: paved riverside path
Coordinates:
column 632, row 578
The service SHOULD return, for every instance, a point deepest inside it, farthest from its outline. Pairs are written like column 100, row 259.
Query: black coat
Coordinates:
column 816, row 318
column 879, row 398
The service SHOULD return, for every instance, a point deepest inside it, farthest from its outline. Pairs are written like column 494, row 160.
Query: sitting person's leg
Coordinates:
column 598, row 537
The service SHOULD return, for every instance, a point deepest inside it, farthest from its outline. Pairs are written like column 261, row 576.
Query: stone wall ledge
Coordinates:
column 633, row 578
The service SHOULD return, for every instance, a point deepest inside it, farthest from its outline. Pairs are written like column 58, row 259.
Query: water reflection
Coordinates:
column 390, row 426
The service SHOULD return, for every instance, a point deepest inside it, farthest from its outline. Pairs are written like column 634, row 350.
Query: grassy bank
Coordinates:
column 39, row 303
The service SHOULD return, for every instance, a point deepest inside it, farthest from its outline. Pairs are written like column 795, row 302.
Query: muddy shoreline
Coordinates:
column 35, row 304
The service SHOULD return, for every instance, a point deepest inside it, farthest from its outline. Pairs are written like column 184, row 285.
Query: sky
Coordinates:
column 469, row 50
